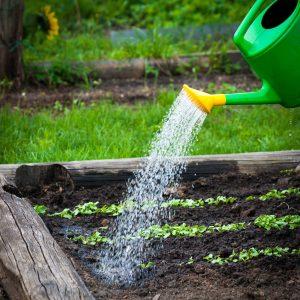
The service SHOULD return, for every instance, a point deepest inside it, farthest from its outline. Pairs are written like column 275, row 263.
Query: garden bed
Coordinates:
column 124, row 91
column 180, row 270
column 233, row 231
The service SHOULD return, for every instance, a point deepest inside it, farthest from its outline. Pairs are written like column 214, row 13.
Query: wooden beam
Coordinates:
column 32, row 265
column 96, row 172
column 137, row 67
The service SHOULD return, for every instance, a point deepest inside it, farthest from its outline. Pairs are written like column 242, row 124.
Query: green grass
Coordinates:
column 110, row 130
column 95, row 46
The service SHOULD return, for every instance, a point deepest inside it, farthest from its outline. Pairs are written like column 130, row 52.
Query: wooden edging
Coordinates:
column 95, row 172
column 139, row 67
column 32, row 265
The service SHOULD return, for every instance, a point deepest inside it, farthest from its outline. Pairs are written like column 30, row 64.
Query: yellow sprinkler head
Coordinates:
column 203, row 100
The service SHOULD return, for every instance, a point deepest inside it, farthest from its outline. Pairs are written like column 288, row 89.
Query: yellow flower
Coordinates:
column 53, row 27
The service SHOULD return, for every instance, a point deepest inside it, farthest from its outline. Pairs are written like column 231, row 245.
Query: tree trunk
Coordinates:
column 32, row 265
column 11, row 33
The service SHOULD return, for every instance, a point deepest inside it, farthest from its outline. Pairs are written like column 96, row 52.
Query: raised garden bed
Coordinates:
column 256, row 259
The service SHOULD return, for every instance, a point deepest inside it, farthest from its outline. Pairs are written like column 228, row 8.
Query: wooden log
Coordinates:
column 138, row 67
column 32, row 265
column 34, row 179
column 96, row 172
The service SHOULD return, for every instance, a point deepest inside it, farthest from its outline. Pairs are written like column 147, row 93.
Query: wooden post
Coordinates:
column 11, row 34
column 32, row 265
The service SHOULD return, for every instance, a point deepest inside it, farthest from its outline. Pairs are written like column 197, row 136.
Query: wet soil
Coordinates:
column 172, row 277
column 121, row 91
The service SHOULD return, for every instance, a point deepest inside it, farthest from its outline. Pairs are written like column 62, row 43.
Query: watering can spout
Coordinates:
column 266, row 95
column 203, row 100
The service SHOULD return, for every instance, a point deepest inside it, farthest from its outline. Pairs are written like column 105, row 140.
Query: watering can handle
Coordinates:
column 239, row 35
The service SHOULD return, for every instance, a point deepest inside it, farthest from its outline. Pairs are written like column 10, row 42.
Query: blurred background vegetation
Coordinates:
column 84, row 27
column 99, row 14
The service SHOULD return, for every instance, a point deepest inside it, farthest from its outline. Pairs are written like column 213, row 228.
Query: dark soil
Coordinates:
column 172, row 278
column 122, row 91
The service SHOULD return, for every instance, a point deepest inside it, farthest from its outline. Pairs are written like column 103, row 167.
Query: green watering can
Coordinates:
column 269, row 39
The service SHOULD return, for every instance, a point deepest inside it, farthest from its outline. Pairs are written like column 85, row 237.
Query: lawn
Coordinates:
column 110, row 130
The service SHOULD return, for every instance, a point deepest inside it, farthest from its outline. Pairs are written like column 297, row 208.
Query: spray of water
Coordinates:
column 120, row 262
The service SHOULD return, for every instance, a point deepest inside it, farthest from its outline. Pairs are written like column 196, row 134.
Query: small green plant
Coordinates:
column 40, row 209
column 147, row 265
column 287, row 172
column 92, row 240
column 190, row 203
column 184, row 230
column 187, row 203
column 225, row 228
column 190, row 261
column 111, row 210
column 65, row 213
column 275, row 194
column 220, row 200
column 248, row 254
column 86, row 209
column 89, row 208
column 269, row 222
column 250, row 198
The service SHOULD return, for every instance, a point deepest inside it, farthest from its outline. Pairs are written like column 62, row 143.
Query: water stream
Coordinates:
column 121, row 260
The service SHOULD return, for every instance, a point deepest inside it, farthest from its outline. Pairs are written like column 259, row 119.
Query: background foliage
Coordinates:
column 143, row 13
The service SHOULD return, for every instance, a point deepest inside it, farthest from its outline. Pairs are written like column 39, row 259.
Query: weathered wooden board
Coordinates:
column 137, row 68
column 32, row 265
column 96, row 172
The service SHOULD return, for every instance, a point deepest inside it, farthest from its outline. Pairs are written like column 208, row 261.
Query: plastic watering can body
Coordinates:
column 269, row 40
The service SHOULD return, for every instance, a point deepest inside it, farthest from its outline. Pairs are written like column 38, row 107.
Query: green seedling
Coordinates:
column 269, row 222
column 190, row 203
column 111, row 210
column 66, row 213
column 275, row 194
column 190, row 261
column 225, row 228
column 220, row 200
column 266, row 222
column 248, row 254
column 147, row 265
column 40, row 209
column 114, row 210
column 250, row 198
column 287, row 172
column 92, row 240
column 183, row 230
column 186, row 203
column 85, row 209
column 89, row 208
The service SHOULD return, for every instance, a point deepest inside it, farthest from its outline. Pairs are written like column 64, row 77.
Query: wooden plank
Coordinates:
column 32, row 265
column 137, row 67
column 95, row 172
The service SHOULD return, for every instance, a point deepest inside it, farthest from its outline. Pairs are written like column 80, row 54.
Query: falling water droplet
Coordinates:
column 120, row 261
